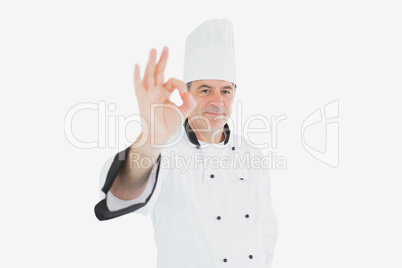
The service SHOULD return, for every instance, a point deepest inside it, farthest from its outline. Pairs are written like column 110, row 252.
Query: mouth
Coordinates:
column 212, row 113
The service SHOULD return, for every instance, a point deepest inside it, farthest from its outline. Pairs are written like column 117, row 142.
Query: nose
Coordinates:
column 217, row 99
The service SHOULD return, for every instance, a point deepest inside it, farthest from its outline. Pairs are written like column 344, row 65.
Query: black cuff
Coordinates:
column 101, row 210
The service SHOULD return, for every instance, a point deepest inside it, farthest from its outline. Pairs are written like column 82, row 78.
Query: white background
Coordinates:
column 293, row 57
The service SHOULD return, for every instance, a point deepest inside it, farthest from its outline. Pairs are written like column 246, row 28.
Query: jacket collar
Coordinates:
column 193, row 138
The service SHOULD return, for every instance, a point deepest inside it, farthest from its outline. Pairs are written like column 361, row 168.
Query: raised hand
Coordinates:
column 162, row 117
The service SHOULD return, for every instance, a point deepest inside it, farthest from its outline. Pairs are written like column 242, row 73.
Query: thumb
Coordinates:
column 189, row 103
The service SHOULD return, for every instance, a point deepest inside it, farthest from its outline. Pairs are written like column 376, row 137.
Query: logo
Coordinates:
column 320, row 134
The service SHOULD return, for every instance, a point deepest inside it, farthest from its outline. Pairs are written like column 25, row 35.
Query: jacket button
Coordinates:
column 212, row 176
column 233, row 148
column 219, row 217
column 250, row 256
column 247, row 216
column 225, row 260
column 241, row 178
column 198, row 146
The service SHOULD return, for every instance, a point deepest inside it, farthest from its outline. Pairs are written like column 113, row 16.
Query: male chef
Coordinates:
column 216, row 210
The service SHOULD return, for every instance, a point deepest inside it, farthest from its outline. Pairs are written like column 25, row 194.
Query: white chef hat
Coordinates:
column 210, row 52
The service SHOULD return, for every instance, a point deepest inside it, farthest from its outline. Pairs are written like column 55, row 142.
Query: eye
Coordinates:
column 227, row 92
column 205, row 91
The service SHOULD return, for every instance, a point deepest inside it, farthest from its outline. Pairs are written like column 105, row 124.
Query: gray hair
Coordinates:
column 188, row 85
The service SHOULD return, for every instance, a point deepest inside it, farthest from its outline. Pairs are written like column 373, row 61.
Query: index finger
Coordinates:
column 174, row 83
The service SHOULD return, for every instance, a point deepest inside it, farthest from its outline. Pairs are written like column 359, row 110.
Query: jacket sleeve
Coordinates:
column 110, row 206
column 270, row 225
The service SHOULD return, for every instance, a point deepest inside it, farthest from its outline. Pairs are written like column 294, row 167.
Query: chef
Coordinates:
column 210, row 206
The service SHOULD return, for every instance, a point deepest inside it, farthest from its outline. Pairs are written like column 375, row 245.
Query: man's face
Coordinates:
column 214, row 102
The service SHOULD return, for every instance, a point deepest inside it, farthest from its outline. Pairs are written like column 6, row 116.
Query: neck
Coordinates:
column 216, row 135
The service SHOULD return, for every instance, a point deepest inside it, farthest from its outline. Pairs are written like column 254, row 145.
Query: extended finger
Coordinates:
column 149, row 80
column 160, row 67
column 137, row 79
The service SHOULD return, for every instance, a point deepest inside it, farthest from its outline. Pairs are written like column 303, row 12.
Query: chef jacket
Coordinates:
column 210, row 204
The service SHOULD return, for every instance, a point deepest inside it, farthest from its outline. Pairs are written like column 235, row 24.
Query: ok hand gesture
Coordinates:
column 153, row 93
